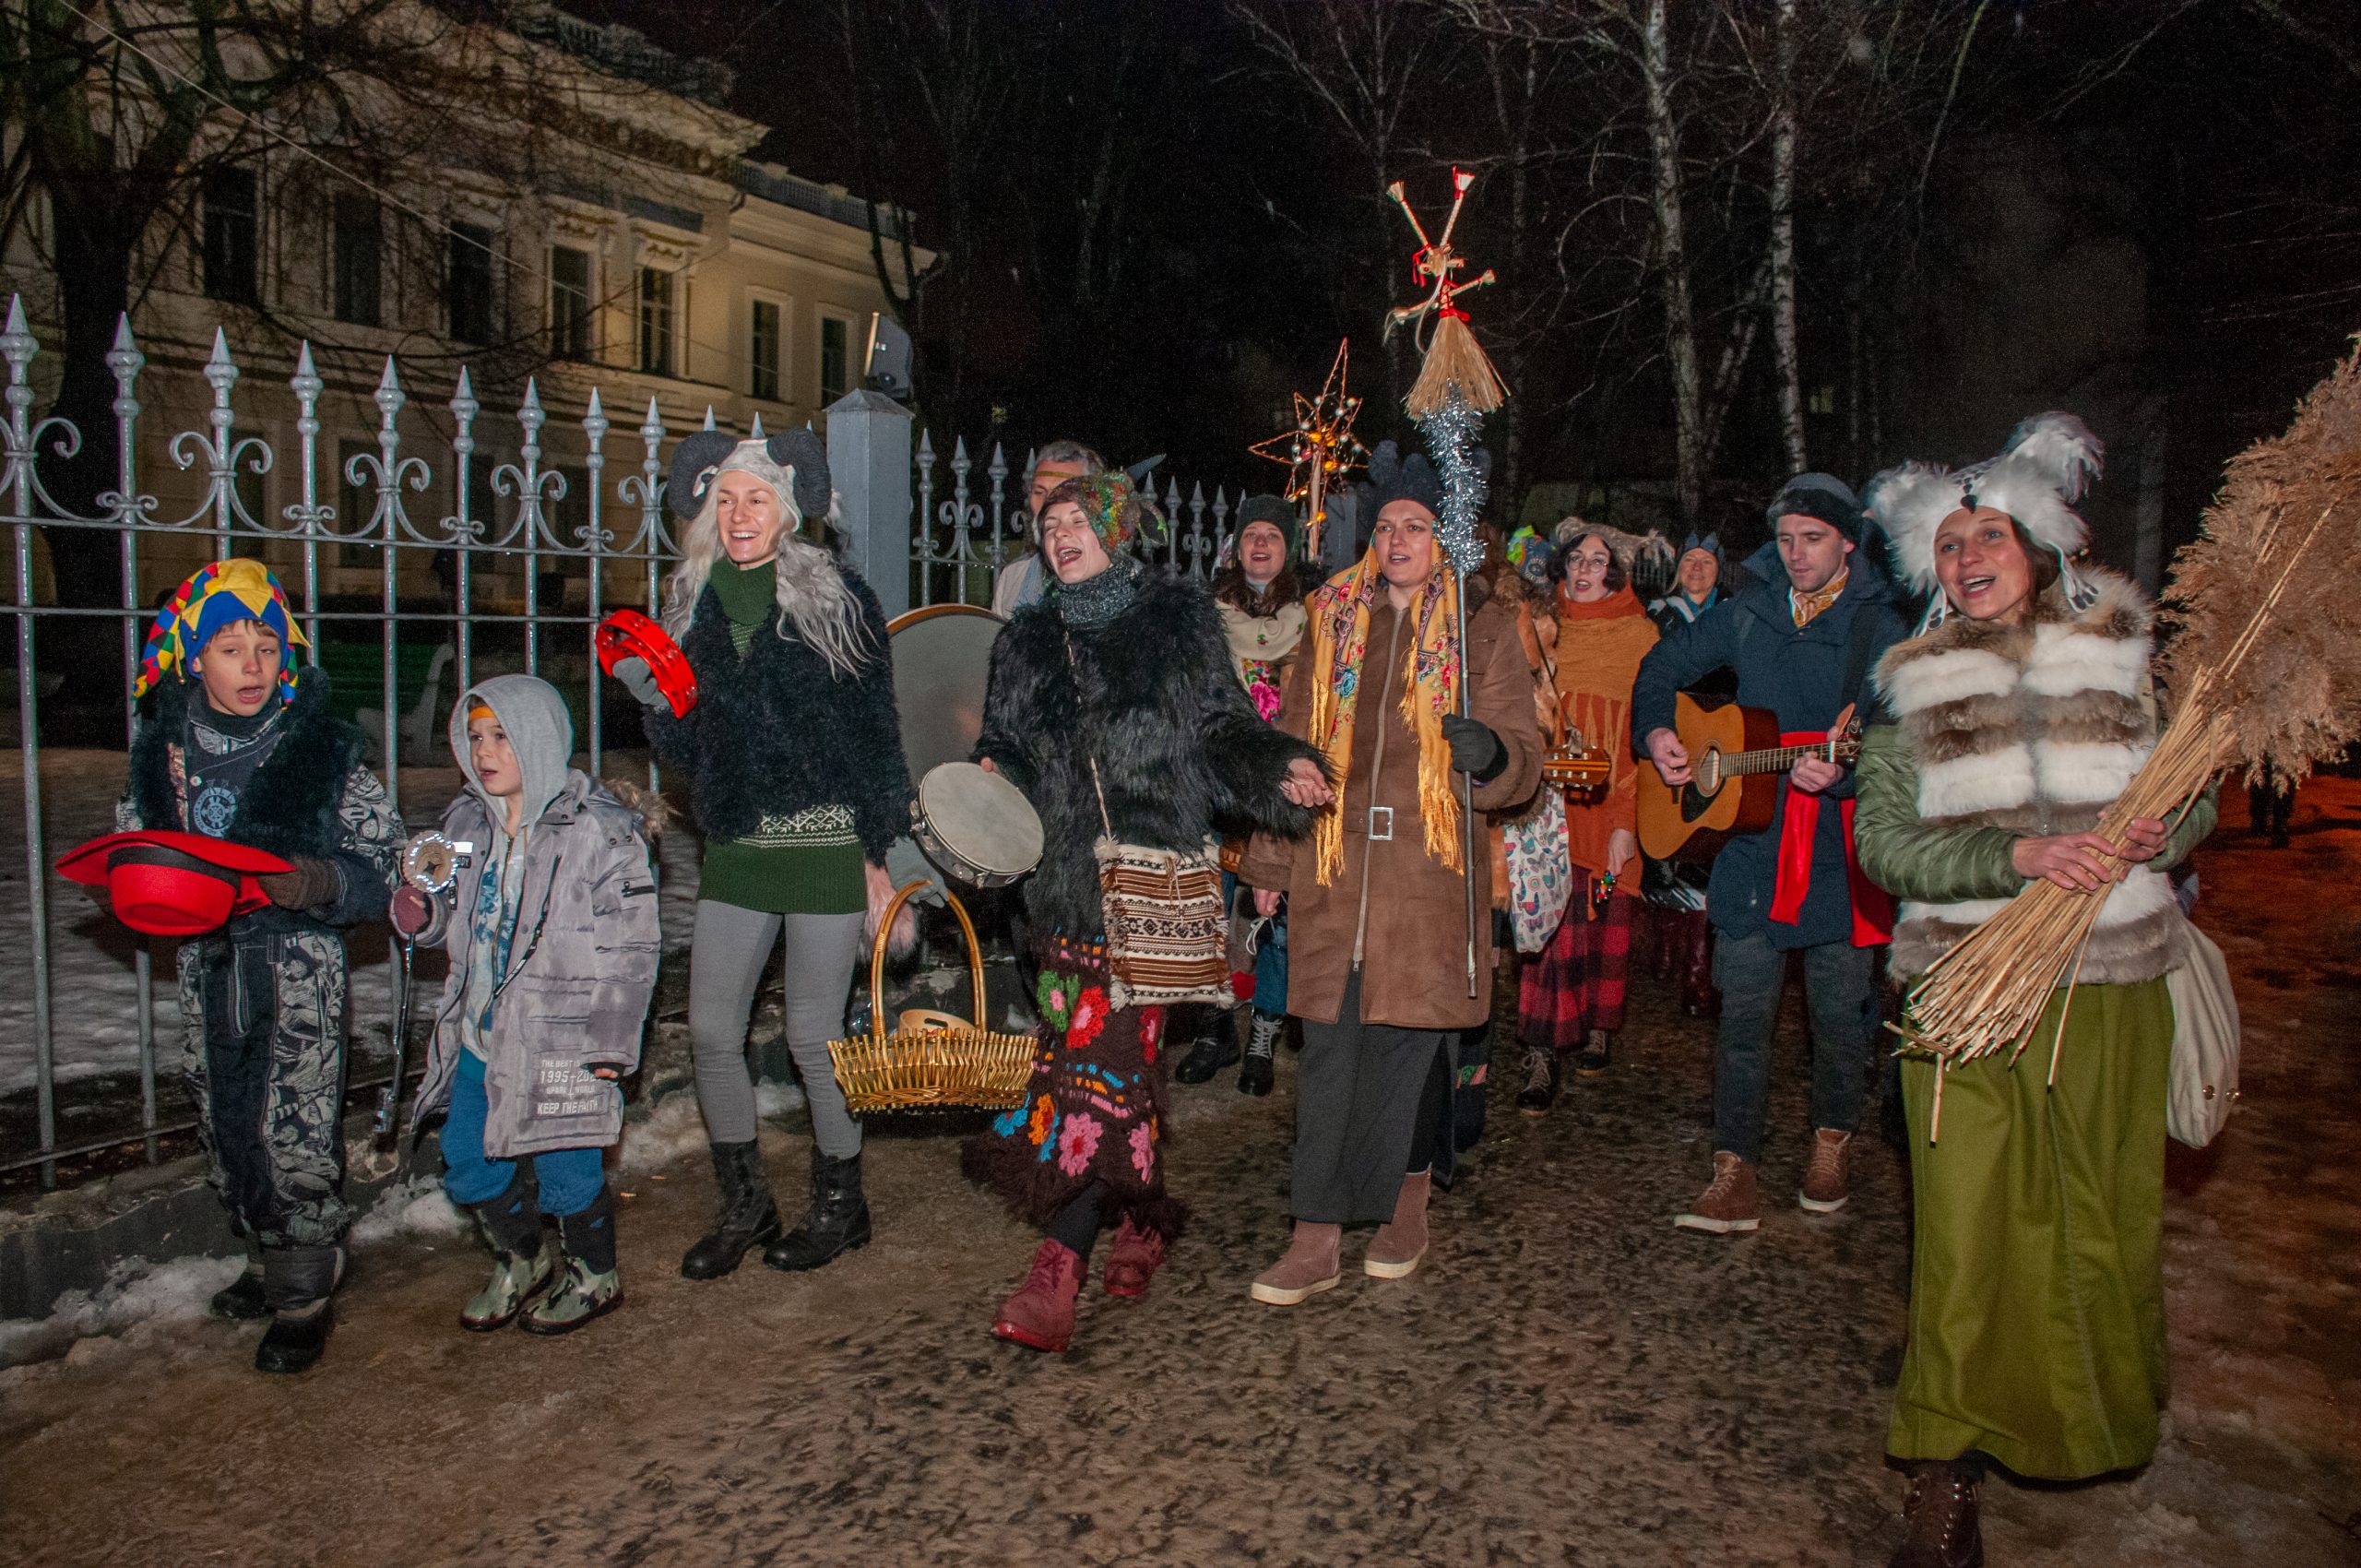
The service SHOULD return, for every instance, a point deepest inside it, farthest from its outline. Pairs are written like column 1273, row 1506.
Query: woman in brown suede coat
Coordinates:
column 1377, row 896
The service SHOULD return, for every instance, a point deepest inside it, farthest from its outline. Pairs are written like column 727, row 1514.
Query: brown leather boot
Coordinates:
column 1729, row 1203
column 1824, row 1190
column 1394, row 1252
column 1309, row 1265
column 1941, row 1523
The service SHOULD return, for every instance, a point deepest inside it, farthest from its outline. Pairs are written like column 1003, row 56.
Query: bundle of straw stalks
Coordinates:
column 2265, row 671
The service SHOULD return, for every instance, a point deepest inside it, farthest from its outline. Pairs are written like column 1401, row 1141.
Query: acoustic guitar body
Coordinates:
column 1692, row 822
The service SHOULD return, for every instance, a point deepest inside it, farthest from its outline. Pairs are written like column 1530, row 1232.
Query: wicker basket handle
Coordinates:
column 877, row 957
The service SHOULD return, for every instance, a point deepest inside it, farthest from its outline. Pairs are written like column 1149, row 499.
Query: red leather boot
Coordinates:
column 1040, row 1315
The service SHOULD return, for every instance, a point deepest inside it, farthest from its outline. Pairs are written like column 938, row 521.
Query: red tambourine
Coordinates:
column 628, row 634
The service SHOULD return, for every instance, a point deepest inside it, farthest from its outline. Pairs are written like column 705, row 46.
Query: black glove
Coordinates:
column 639, row 681
column 312, row 885
column 1475, row 749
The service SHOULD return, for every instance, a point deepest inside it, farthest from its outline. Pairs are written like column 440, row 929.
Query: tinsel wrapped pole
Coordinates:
column 1450, row 431
column 1456, row 387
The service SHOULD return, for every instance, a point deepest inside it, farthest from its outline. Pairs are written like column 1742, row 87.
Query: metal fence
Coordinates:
column 971, row 535
column 619, row 551
column 603, row 531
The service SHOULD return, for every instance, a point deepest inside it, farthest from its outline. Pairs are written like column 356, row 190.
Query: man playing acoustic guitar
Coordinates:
column 1801, row 641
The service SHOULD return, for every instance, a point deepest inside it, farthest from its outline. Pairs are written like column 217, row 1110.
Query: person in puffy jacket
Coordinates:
column 551, row 925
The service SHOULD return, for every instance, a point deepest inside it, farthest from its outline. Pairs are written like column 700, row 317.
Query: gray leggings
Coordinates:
column 727, row 954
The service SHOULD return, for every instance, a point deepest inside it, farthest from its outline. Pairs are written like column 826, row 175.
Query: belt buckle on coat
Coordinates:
column 1385, row 836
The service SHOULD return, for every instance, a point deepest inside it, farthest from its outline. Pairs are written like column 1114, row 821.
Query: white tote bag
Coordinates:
column 2205, row 1044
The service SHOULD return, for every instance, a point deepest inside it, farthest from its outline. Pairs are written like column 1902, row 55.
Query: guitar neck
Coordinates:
column 1778, row 759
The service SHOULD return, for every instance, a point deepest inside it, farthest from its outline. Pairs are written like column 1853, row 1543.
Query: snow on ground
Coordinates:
column 416, row 1207
column 93, row 982
column 137, row 1295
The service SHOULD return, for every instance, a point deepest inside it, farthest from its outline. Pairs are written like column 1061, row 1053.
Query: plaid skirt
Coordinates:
column 1579, row 981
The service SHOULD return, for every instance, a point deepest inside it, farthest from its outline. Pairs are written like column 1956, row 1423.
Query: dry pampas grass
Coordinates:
column 2266, row 669
column 2294, row 699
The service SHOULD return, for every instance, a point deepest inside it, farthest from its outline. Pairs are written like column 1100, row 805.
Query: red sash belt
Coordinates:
column 1872, row 907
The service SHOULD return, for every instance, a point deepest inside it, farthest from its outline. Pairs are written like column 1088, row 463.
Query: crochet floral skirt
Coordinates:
column 1095, row 1109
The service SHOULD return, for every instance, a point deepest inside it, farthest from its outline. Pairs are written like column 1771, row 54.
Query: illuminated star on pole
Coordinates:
column 1321, row 450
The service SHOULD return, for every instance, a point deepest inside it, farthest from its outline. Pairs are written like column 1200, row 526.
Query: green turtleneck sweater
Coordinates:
column 809, row 863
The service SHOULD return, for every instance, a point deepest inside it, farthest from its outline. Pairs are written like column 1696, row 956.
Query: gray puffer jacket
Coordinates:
column 582, row 961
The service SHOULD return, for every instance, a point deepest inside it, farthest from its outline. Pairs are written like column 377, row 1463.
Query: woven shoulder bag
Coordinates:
column 1167, row 932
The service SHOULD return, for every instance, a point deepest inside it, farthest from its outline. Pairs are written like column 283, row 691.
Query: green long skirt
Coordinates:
column 2036, row 1294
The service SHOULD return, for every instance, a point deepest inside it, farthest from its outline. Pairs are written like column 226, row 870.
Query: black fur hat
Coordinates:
column 699, row 458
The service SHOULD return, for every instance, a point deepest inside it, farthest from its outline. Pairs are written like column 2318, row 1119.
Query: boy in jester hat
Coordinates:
column 236, row 744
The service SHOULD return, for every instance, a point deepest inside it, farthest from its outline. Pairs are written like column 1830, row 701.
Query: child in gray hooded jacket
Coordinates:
column 551, row 925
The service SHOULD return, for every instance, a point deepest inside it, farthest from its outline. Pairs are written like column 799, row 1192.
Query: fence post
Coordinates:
column 869, row 459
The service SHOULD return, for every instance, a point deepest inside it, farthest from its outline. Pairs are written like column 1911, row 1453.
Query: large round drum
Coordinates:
column 975, row 826
column 943, row 656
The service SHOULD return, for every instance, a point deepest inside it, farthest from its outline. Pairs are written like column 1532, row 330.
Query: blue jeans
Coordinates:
column 1752, row 976
column 569, row 1178
column 1270, row 956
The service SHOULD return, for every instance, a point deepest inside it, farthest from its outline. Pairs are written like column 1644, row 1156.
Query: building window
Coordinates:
column 469, row 289
column 765, row 351
column 232, row 231
column 655, row 321
column 360, row 242
column 835, row 334
column 1822, row 400
column 569, row 302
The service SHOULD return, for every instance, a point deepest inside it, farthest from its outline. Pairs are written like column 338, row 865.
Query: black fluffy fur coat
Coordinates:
column 778, row 730
column 292, row 806
column 1180, row 750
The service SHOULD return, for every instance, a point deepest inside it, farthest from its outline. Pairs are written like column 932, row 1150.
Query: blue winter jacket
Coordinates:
column 1796, row 673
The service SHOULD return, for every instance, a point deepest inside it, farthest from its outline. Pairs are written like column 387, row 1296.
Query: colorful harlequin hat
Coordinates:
column 1116, row 511
column 220, row 594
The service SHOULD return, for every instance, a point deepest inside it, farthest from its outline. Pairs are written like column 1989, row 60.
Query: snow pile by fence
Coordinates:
column 137, row 1294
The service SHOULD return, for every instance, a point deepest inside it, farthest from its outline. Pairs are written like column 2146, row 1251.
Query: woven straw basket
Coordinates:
column 931, row 1060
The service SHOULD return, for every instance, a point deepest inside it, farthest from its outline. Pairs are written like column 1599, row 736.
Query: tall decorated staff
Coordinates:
column 2265, row 674
column 1456, row 387
column 1320, row 449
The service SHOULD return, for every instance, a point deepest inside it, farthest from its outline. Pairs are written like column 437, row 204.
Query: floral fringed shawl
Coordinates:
column 1431, row 675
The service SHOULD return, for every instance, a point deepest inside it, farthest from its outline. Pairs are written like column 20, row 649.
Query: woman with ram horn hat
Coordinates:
column 799, row 786
column 2002, row 732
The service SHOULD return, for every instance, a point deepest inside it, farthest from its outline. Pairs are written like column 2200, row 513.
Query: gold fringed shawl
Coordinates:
column 1431, row 672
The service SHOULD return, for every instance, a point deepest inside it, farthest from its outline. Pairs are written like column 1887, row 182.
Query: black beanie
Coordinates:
column 1818, row 495
column 1276, row 510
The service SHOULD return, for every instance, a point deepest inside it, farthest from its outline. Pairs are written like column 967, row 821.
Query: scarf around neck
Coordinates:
column 1340, row 615
column 1095, row 600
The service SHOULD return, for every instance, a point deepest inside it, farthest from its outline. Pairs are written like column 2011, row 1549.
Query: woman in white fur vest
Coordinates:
column 2006, row 728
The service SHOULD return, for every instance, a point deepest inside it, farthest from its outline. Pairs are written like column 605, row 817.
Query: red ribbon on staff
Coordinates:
column 1872, row 907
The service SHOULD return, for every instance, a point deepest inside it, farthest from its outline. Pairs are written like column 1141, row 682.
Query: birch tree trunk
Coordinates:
column 1691, row 456
column 1783, row 241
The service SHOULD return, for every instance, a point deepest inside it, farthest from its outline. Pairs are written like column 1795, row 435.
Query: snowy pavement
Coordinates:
column 1566, row 1380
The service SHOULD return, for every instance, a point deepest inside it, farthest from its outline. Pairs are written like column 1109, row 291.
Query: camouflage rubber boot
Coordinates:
column 522, row 1260
column 591, row 1287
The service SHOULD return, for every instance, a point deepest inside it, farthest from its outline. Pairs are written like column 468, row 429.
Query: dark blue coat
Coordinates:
column 1797, row 674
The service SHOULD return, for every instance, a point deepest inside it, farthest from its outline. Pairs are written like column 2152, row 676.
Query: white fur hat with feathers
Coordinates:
column 2047, row 464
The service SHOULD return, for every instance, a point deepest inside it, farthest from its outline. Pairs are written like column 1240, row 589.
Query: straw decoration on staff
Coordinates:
column 2265, row 671
column 1453, row 362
